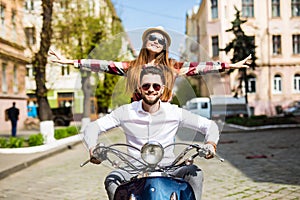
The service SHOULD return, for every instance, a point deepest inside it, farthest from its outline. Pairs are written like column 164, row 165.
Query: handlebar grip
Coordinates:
column 84, row 163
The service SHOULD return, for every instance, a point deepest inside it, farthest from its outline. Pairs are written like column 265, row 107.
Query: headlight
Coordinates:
column 152, row 153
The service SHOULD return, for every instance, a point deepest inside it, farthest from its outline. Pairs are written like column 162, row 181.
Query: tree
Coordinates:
column 78, row 30
column 242, row 46
column 39, row 64
column 40, row 61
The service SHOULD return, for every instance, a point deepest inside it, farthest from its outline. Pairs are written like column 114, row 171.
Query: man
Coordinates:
column 150, row 119
column 13, row 116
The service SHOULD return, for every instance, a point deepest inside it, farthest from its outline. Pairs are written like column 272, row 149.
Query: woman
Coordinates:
column 155, row 51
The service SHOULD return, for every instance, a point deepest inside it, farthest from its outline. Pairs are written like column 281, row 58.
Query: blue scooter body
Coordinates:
column 150, row 188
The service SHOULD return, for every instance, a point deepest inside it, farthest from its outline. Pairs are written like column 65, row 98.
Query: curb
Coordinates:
column 266, row 127
column 49, row 151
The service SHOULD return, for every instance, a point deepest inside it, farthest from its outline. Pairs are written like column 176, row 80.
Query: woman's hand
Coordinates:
column 59, row 58
column 241, row 64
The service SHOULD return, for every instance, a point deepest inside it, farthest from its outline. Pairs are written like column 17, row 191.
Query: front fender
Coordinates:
column 150, row 188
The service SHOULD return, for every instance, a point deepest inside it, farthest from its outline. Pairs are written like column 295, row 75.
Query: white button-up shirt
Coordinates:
column 140, row 126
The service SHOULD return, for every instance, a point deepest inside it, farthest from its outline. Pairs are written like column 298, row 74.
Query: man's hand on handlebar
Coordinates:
column 210, row 148
column 93, row 159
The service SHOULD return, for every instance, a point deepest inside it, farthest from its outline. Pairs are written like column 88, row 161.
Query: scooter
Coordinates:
column 152, row 180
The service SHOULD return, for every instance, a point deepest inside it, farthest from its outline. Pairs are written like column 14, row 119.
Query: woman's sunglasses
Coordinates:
column 155, row 86
column 153, row 37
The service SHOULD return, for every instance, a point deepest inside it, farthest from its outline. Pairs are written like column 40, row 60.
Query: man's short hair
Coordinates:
column 153, row 70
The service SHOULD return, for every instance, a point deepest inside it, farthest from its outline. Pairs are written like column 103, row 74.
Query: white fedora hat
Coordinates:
column 159, row 29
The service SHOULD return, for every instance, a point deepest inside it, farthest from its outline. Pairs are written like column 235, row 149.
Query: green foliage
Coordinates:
column 83, row 34
column 65, row 132
column 71, row 130
column 242, row 44
column 260, row 120
column 3, row 142
column 12, row 142
column 35, row 139
column 60, row 133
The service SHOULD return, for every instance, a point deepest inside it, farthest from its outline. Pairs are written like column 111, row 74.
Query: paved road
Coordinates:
column 272, row 171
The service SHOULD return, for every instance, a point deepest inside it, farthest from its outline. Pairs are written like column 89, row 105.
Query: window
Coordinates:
column 30, row 71
column 247, row 8
column 277, row 84
column 15, row 79
column 65, row 99
column 275, row 8
column 2, row 13
column 30, row 36
column 214, row 9
column 215, row 46
column 296, row 44
column 297, row 83
column 4, row 84
column 295, row 8
column 13, row 18
column 276, row 44
column 64, row 5
column 29, row 5
column 251, row 84
column 65, row 70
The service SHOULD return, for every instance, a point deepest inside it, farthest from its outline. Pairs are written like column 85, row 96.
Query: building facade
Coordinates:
column 12, row 61
column 275, row 28
column 64, row 82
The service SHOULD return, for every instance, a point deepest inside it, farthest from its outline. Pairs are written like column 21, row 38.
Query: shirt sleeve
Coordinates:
column 117, row 68
column 200, row 124
column 199, row 68
column 95, row 128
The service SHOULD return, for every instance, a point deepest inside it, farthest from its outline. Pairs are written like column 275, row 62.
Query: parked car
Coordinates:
column 62, row 116
column 292, row 111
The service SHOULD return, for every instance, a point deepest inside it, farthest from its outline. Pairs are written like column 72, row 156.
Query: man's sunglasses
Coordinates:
column 153, row 37
column 155, row 86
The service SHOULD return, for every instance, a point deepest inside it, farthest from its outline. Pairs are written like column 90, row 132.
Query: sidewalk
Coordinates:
column 13, row 160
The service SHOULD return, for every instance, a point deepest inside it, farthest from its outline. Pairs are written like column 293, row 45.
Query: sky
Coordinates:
column 138, row 15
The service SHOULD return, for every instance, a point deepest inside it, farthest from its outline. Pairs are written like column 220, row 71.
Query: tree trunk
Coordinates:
column 39, row 63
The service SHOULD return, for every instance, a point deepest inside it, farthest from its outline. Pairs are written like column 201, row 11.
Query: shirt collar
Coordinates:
column 141, row 110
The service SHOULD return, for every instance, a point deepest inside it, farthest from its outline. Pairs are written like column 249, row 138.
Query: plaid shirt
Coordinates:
column 120, row 68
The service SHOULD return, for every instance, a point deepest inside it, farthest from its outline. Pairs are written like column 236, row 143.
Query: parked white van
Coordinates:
column 218, row 106
column 200, row 106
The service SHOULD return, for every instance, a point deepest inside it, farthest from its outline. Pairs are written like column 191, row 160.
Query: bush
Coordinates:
column 72, row 130
column 35, row 140
column 60, row 133
column 3, row 142
column 15, row 142
column 260, row 120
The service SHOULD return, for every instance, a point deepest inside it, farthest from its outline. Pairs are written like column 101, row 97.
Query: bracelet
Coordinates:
column 77, row 64
column 213, row 144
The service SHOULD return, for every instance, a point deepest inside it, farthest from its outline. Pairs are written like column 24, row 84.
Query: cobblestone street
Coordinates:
column 258, row 165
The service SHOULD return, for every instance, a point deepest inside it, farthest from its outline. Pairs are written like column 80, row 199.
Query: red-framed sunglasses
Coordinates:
column 155, row 86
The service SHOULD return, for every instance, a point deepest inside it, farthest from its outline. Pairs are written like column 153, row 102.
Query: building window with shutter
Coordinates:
column 275, row 8
column 215, row 46
column 4, row 79
column 214, row 9
column 277, row 88
column 30, row 36
column 297, row 83
column 296, row 44
column 247, row 8
column 276, row 42
column 251, row 84
column 295, row 4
